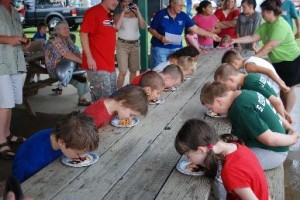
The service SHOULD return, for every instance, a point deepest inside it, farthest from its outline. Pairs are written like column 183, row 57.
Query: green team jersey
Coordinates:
column 258, row 83
column 251, row 115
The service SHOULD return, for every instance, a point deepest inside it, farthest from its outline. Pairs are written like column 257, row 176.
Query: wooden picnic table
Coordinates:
column 138, row 162
column 34, row 62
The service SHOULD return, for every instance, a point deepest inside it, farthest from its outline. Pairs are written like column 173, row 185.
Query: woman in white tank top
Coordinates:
column 128, row 23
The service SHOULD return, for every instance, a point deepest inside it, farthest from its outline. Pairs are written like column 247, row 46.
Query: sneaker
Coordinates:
column 83, row 102
column 57, row 91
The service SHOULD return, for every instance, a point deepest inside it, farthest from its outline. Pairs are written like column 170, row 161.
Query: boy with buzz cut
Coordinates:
column 75, row 135
column 172, row 76
column 255, row 64
column 253, row 120
column 234, row 80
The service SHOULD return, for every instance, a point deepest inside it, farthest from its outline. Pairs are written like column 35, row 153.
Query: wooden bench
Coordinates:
column 34, row 66
column 137, row 162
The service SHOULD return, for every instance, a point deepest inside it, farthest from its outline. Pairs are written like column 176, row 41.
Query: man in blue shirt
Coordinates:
column 166, row 29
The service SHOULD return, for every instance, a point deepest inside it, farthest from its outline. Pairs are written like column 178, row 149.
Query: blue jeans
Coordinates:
column 160, row 55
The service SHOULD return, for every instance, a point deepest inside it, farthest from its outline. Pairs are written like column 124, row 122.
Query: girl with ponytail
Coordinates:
column 242, row 175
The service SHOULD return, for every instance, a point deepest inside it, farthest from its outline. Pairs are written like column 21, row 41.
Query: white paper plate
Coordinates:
column 116, row 120
column 174, row 88
column 92, row 158
column 187, row 78
column 181, row 167
column 210, row 113
column 159, row 101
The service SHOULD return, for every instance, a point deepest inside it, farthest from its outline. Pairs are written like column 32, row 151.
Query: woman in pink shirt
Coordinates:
column 206, row 20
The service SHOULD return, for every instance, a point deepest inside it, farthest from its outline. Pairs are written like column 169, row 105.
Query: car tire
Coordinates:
column 53, row 21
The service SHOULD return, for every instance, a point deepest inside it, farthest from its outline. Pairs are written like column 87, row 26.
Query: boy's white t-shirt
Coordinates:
column 263, row 63
column 161, row 66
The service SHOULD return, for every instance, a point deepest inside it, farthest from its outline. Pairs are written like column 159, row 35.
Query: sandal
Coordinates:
column 7, row 154
column 83, row 102
column 57, row 91
column 15, row 139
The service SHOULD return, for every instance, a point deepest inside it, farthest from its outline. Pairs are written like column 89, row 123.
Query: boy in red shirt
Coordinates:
column 129, row 101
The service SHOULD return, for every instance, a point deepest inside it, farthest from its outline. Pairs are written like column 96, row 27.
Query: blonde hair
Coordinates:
column 212, row 90
column 187, row 63
column 224, row 5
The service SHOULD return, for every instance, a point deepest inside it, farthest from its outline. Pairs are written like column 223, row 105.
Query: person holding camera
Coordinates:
column 128, row 23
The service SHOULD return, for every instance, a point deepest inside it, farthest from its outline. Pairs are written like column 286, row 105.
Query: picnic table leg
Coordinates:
column 28, row 106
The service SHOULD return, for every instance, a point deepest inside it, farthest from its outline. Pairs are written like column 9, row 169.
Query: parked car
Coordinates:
column 53, row 11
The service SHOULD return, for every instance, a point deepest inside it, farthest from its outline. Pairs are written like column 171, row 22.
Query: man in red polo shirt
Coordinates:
column 98, row 38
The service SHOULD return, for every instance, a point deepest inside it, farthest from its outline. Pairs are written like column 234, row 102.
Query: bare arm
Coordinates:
column 278, row 105
column 119, row 19
column 297, row 21
column 267, row 48
column 202, row 32
column 271, row 138
column 142, row 22
column 226, row 24
column 12, row 40
column 245, row 193
column 247, row 39
column 252, row 67
column 69, row 55
column 191, row 40
column 158, row 36
column 86, row 48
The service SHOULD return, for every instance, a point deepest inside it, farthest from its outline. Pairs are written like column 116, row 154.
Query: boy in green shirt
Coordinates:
column 253, row 120
column 234, row 80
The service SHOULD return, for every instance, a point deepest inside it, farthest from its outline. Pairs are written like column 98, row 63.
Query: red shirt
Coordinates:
column 98, row 112
column 242, row 169
column 136, row 80
column 221, row 17
column 102, row 38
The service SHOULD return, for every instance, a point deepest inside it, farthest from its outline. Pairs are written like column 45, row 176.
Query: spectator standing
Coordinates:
column 166, row 29
column 128, row 45
column 98, row 39
column 289, row 12
column 11, row 68
column 227, row 16
column 247, row 23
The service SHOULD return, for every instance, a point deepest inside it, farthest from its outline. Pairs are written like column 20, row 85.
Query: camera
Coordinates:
column 131, row 6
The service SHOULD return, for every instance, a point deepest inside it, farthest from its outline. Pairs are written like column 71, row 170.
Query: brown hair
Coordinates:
column 187, row 63
column 230, row 56
column 195, row 133
column 174, row 71
column 78, row 131
column 272, row 5
column 153, row 80
column 133, row 97
column 225, row 71
column 212, row 90
column 40, row 26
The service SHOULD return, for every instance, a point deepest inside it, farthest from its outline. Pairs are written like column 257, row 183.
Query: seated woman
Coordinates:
column 60, row 46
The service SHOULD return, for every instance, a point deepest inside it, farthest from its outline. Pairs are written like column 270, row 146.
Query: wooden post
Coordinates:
column 143, row 5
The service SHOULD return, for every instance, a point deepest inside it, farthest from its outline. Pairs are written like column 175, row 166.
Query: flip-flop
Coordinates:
column 15, row 139
column 6, row 153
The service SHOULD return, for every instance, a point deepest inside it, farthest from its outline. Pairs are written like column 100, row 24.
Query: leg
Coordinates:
column 100, row 84
column 134, row 60
column 123, row 50
column 269, row 159
column 113, row 82
column 289, row 99
column 121, row 79
column 132, row 76
column 82, row 89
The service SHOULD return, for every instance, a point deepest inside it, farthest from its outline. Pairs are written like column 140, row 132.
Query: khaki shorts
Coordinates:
column 128, row 56
column 11, row 90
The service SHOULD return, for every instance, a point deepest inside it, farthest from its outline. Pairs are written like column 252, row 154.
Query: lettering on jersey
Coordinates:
column 180, row 22
column 263, row 80
column 108, row 22
column 261, row 102
column 166, row 17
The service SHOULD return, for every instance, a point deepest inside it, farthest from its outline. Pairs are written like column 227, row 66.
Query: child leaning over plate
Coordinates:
column 128, row 101
column 73, row 136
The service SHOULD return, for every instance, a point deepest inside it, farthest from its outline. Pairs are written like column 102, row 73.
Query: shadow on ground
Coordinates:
column 23, row 124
